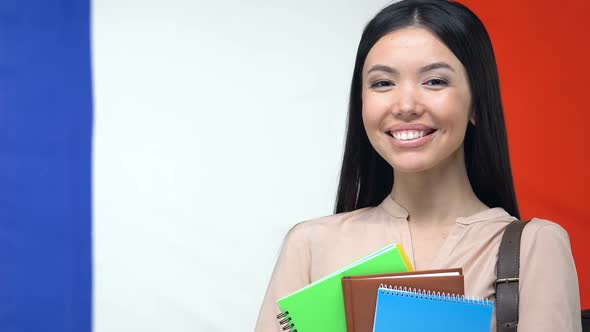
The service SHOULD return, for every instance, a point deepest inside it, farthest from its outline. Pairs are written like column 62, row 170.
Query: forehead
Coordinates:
column 408, row 47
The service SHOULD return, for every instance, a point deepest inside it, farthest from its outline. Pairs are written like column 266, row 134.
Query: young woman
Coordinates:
column 426, row 164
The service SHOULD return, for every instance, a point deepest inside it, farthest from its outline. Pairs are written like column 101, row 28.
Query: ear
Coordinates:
column 472, row 117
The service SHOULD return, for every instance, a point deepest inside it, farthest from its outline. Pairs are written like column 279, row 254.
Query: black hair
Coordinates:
column 365, row 177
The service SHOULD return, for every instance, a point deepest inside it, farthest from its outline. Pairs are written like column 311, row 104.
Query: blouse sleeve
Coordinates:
column 549, row 291
column 291, row 272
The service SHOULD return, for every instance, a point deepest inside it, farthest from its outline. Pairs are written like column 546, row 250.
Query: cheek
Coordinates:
column 369, row 119
column 373, row 111
column 371, row 122
column 454, row 112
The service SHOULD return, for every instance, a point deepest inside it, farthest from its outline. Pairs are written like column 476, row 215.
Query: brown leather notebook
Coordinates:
column 360, row 292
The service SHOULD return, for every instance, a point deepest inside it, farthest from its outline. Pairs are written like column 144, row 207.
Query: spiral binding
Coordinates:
column 285, row 322
column 432, row 295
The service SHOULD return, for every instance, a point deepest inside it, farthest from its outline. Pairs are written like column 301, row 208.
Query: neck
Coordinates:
column 439, row 195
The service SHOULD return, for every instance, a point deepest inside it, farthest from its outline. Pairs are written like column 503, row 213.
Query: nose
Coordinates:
column 406, row 105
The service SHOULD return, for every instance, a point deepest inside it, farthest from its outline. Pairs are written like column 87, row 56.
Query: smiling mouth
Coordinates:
column 410, row 135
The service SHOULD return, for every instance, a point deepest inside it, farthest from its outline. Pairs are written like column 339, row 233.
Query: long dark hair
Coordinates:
column 366, row 178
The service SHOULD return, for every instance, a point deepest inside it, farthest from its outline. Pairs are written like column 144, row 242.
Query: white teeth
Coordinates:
column 406, row 135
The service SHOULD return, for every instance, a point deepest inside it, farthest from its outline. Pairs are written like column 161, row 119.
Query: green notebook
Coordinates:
column 319, row 306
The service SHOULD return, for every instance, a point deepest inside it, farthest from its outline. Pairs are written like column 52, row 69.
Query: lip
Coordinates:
column 409, row 126
column 411, row 143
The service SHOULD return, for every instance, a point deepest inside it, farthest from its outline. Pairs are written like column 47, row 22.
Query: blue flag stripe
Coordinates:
column 45, row 166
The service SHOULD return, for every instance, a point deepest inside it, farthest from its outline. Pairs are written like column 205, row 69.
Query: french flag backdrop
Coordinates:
column 48, row 272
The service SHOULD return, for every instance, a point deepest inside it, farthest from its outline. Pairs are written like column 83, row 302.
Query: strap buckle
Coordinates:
column 506, row 280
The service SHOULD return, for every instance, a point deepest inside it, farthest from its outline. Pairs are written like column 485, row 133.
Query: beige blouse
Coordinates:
column 549, row 293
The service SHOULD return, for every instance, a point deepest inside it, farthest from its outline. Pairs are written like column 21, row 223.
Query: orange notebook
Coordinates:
column 360, row 292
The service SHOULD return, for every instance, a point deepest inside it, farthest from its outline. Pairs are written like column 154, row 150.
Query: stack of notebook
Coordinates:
column 382, row 293
column 360, row 292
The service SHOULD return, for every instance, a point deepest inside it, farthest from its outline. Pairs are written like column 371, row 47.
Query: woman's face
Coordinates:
column 416, row 101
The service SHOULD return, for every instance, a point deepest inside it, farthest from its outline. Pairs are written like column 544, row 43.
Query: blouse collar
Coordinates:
column 399, row 212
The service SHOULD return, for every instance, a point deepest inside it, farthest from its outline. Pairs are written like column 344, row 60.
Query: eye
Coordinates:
column 381, row 84
column 436, row 82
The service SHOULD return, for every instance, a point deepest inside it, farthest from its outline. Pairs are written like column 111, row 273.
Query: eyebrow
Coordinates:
column 427, row 68
column 383, row 68
column 436, row 65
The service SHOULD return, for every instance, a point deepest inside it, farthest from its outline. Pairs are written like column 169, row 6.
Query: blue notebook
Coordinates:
column 418, row 311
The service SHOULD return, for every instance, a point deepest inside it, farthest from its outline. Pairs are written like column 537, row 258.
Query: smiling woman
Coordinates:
column 426, row 165
column 416, row 116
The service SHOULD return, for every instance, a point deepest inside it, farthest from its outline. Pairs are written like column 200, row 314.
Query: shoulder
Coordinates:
column 545, row 235
column 544, row 228
column 329, row 224
column 334, row 220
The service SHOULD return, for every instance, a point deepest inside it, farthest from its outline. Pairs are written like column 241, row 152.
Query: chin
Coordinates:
column 412, row 166
column 411, row 170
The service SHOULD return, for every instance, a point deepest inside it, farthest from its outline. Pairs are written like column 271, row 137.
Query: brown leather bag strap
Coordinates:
column 507, row 271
